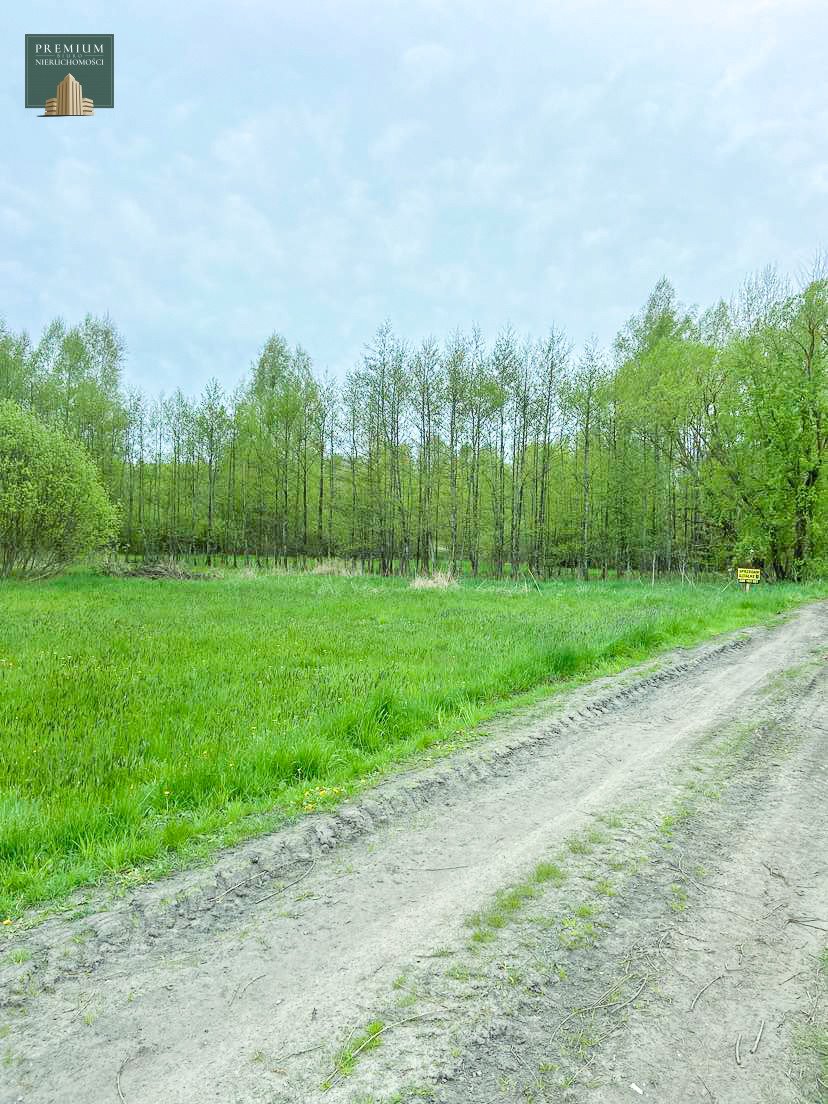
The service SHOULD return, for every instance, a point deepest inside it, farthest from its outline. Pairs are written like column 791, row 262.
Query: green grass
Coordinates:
column 578, row 930
column 142, row 722
column 19, row 955
column 548, row 872
column 812, row 1042
column 506, row 904
column 345, row 1059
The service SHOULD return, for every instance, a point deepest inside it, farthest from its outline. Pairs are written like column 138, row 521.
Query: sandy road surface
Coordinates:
column 242, row 982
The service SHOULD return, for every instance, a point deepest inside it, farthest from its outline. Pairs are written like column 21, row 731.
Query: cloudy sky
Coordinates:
column 316, row 168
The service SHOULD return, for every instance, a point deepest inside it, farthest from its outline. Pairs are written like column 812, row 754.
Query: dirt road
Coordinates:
column 410, row 947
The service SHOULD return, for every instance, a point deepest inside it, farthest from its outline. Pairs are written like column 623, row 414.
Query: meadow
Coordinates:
column 144, row 723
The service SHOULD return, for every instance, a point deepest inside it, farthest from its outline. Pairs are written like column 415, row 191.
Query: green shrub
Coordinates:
column 53, row 506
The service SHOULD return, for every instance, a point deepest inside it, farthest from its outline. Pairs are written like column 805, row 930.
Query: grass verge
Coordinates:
column 145, row 723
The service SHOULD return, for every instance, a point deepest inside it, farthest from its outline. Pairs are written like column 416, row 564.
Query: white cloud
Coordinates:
column 427, row 63
column 435, row 164
column 597, row 236
column 394, row 138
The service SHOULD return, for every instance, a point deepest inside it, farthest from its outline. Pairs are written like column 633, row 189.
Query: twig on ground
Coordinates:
column 435, row 869
column 606, row 1035
column 615, row 985
column 618, row 1007
column 121, row 1069
column 704, row 989
column 721, row 908
column 602, row 1003
column 679, row 866
column 82, row 1007
column 738, row 1056
column 775, row 873
column 349, row 1036
column 787, row 979
column 240, row 990
column 299, row 1053
column 281, row 889
column 758, row 1038
column 806, row 922
column 706, row 1089
column 688, row 935
column 583, row 1068
column 535, row 1077
column 238, row 885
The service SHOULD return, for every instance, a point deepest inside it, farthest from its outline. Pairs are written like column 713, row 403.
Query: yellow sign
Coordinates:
column 748, row 574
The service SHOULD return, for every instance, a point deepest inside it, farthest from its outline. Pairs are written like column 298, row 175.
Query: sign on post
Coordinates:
column 748, row 575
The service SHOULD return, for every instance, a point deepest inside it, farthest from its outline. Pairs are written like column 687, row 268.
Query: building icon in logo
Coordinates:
column 70, row 99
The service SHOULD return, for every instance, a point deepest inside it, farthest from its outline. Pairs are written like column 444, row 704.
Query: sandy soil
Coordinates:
column 687, row 809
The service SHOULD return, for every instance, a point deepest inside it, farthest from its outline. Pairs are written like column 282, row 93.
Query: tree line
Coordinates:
column 696, row 440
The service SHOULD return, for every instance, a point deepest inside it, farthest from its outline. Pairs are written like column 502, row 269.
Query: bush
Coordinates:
column 53, row 506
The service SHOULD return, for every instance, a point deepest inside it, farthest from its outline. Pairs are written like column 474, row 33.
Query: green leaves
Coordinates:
column 53, row 506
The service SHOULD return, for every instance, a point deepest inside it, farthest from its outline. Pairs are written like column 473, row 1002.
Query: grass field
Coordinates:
column 144, row 722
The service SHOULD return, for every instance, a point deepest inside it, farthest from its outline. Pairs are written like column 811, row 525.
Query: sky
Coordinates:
column 314, row 169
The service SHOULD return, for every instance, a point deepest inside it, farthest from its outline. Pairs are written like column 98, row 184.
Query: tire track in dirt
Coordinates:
column 205, row 988
column 717, row 938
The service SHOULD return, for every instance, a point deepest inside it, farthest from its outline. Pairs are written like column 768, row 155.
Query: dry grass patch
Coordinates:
column 336, row 567
column 438, row 580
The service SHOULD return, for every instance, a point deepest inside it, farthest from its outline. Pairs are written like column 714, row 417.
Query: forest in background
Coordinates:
column 697, row 440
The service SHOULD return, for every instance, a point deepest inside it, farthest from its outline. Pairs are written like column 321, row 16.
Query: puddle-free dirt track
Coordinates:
column 669, row 950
